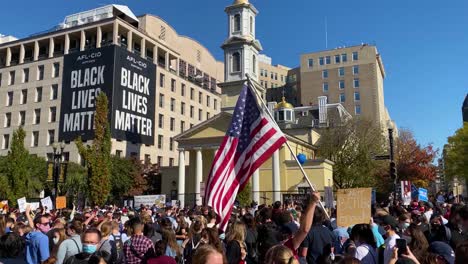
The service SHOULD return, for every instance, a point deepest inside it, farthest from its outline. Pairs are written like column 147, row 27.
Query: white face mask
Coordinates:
column 56, row 240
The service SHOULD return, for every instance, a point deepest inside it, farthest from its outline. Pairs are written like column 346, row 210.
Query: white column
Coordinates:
column 98, row 37
column 155, row 55
column 8, row 57
column 66, row 47
column 256, row 186
column 82, row 40
column 115, row 33
column 276, row 177
column 181, row 188
column 143, row 48
column 199, row 176
column 36, row 51
column 21, row 55
column 51, row 47
column 166, row 59
column 129, row 40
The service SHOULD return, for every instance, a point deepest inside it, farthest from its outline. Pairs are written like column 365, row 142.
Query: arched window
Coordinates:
column 237, row 22
column 251, row 25
column 254, row 64
column 236, row 61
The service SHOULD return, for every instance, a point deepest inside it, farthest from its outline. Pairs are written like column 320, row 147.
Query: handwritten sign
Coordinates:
column 353, row 206
column 34, row 206
column 297, row 198
column 150, row 200
column 47, row 202
column 22, row 204
column 61, row 202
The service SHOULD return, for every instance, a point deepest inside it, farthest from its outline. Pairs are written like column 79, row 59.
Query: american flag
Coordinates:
column 250, row 140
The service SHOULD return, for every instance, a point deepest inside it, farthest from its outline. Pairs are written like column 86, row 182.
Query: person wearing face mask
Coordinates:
column 456, row 227
column 72, row 245
column 56, row 237
column 90, row 240
column 403, row 222
column 37, row 243
column 389, row 224
column 365, row 243
column 439, row 232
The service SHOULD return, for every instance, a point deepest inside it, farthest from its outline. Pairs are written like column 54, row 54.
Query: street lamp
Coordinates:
column 392, row 170
column 57, row 161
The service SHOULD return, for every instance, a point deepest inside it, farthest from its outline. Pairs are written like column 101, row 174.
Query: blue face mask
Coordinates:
column 89, row 248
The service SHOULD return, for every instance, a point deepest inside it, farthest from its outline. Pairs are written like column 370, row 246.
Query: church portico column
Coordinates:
column 256, row 186
column 276, row 177
column 181, row 189
column 198, row 175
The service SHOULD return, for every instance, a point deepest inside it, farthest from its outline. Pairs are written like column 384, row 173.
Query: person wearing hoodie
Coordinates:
column 37, row 243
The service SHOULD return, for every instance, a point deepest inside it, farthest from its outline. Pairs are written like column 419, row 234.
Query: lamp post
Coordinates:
column 392, row 169
column 57, row 161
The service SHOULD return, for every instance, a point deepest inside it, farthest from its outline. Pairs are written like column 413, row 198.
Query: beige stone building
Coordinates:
column 271, row 76
column 31, row 68
column 352, row 76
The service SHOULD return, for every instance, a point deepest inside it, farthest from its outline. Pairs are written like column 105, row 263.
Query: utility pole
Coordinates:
column 393, row 172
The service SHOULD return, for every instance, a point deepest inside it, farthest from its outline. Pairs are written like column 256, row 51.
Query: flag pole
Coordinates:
column 287, row 143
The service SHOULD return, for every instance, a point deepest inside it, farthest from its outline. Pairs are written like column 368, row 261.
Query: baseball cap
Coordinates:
column 289, row 228
column 389, row 220
column 444, row 250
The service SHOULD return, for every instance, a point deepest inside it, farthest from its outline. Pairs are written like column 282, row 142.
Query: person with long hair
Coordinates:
column 172, row 248
column 56, row 237
column 235, row 248
column 211, row 236
column 280, row 254
column 2, row 225
column 365, row 243
column 72, row 245
column 208, row 254
column 193, row 241
column 251, row 238
column 416, row 241
column 159, row 254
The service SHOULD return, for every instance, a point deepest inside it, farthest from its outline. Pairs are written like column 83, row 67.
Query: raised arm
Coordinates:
column 306, row 221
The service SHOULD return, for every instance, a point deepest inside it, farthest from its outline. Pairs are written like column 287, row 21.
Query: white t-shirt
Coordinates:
column 366, row 254
column 390, row 242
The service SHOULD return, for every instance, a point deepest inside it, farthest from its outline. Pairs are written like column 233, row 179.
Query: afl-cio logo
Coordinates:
column 135, row 61
column 93, row 55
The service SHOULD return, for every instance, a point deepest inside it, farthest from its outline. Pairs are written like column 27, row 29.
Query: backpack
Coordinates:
column 119, row 246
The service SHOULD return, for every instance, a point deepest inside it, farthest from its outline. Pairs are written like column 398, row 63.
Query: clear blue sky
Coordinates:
column 423, row 43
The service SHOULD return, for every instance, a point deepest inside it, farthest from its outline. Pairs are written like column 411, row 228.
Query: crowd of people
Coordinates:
column 281, row 233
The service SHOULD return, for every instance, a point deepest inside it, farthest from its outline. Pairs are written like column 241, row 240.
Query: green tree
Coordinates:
column 457, row 154
column 21, row 174
column 122, row 181
column 244, row 196
column 351, row 146
column 76, row 182
column 98, row 154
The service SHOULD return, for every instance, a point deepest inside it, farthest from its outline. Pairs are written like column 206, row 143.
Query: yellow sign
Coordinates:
column 353, row 206
column 61, row 202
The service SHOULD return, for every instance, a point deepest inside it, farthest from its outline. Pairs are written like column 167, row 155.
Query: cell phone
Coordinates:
column 401, row 245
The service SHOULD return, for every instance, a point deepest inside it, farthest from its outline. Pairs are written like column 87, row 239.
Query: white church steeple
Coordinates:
column 241, row 48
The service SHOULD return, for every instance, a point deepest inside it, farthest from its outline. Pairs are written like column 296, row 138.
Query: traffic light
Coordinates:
column 393, row 172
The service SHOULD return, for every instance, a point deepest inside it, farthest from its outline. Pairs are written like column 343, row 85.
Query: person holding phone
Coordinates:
column 389, row 224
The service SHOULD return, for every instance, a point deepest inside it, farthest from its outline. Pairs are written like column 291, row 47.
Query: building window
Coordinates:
column 173, row 85
column 160, row 159
column 325, row 87
column 118, row 153
column 357, row 109
column 161, row 80
column 37, row 116
column 9, row 99
column 161, row 100
column 200, row 97
column 147, row 159
column 325, row 74
column 342, row 98
column 35, row 139
column 357, row 96
column 236, row 61
column 237, row 22
column 50, row 138
column 161, row 121
column 160, row 141
column 191, row 125
column 172, row 124
column 251, row 25
column 356, row 83
column 341, row 71
column 6, row 141
column 56, row 70
column 182, row 126
column 272, row 76
column 254, row 64
column 310, row 63
column 54, row 92
column 171, row 144
column 337, row 59
column 24, row 96
column 182, row 89
column 22, row 118
column 344, row 57
column 171, row 162
column 173, row 102
column 11, row 80
column 7, row 122
column 208, row 115
column 192, row 92
column 191, row 111
column 341, row 84
column 208, row 100
column 52, row 114
column 321, row 61
column 40, row 72
column 355, row 56
column 200, row 114
column 215, row 104
column 276, row 76
column 38, row 94
column 356, row 69
column 25, row 75
column 0, row 79
column 327, row 60
column 182, row 108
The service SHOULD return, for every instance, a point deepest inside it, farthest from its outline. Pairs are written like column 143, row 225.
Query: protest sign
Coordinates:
column 353, row 206
column 422, row 195
column 297, row 198
column 22, row 204
column 148, row 200
column 47, row 203
column 406, row 192
column 34, row 206
column 329, row 197
column 61, row 202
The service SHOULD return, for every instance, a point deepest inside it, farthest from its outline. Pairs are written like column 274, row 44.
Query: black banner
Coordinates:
column 129, row 83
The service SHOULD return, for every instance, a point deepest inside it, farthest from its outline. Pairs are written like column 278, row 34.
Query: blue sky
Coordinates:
column 422, row 43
